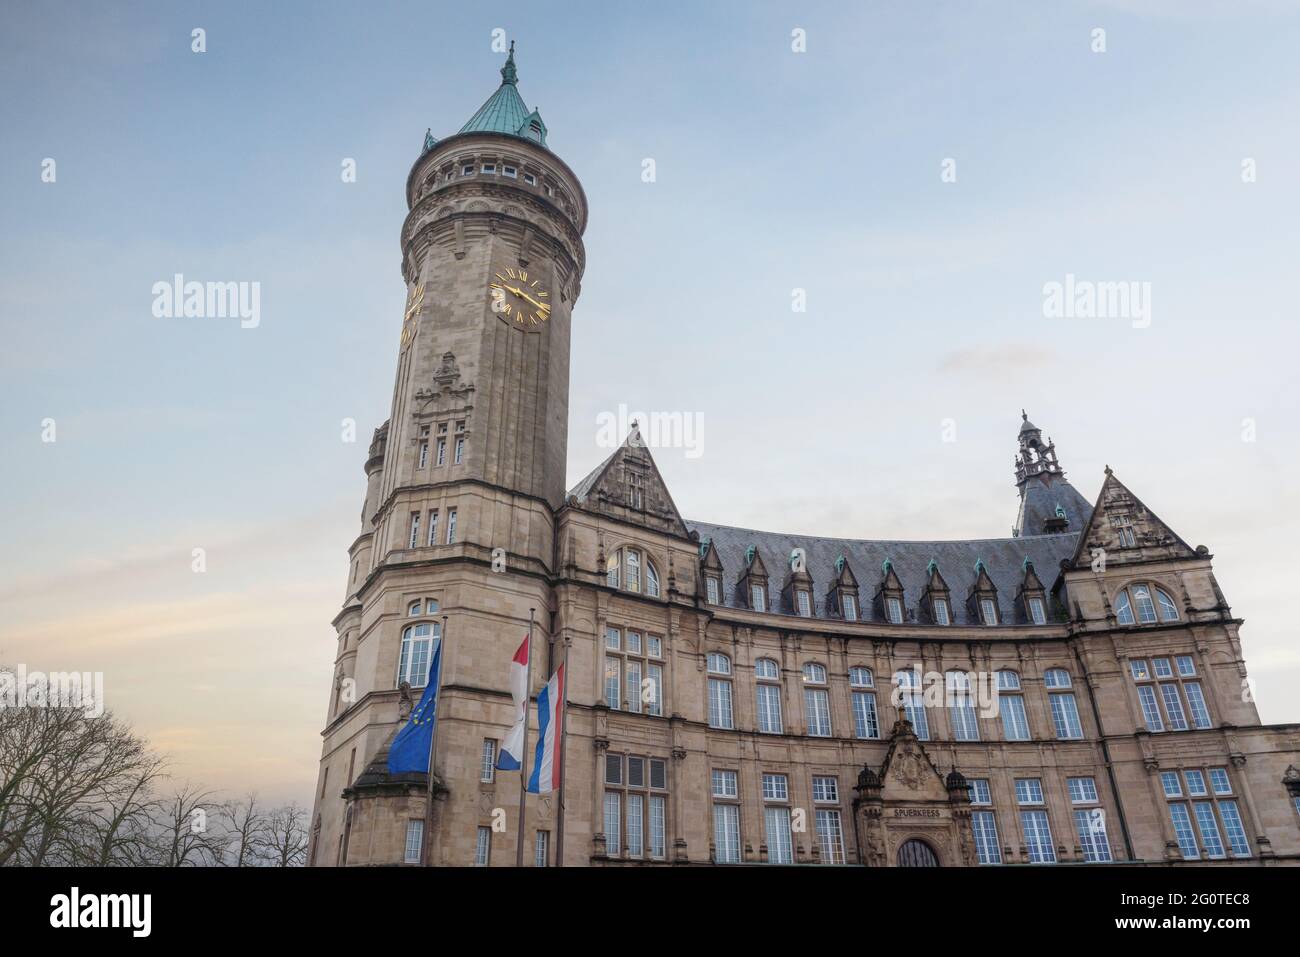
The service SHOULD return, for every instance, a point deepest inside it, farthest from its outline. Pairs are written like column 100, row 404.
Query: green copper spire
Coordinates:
column 505, row 110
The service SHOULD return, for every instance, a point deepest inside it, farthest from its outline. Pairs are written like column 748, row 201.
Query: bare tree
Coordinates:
column 286, row 836
column 245, row 831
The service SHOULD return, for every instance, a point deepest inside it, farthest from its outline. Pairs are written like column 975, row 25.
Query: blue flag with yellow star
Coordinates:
column 410, row 749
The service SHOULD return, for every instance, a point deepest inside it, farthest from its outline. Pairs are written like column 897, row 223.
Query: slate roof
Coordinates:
column 1003, row 560
column 505, row 110
column 1038, row 502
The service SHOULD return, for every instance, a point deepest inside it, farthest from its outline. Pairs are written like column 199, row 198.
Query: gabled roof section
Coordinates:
column 909, row 560
column 505, row 110
column 1117, row 508
column 628, row 486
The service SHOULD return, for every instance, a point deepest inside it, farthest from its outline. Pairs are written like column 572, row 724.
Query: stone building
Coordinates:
column 1073, row 693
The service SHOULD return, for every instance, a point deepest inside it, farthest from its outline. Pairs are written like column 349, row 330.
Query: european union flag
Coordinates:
column 410, row 749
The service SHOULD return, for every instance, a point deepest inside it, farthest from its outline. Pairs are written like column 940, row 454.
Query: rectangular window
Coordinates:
column 1232, row 826
column 415, row 529
column 895, row 609
column 634, row 825
column 1082, row 790
column 776, row 787
column 655, row 675
column 1183, row 831
column 757, row 598
column 980, row 792
column 613, row 696
column 483, row 847
column 726, row 833
column 1090, row 825
column 613, row 824
column 1065, row 716
column 424, row 454
column 459, row 454
column 850, row 606
column 720, row 704
column 1196, row 703
column 1186, row 667
column 989, row 610
column 442, row 451
column 1209, row 828
column 830, row 836
column 1195, row 783
column 530, row 179
column 1170, row 782
column 451, row 526
column 1173, row 707
column 510, row 171
column 467, row 169
column 433, row 527
column 804, row 603
column 1015, row 726
column 414, row 842
column 915, row 711
column 711, row 588
column 657, row 827
column 776, row 821
column 1036, row 613
column 1219, row 781
column 489, row 167
column 865, row 723
column 1029, row 791
column 1038, row 837
column 826, row 790
column 724, row 784
column 769, row 709
column 940, row 606
column 633, row 693
column 487, row 769
column 961, row 711
column 817, row 711
column 542, row 849
column 1150, row 710
column 985, row 826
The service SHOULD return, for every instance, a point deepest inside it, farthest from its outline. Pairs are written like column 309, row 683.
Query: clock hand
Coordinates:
column 523, row 295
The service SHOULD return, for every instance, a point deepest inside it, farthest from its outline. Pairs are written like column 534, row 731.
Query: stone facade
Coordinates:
column 662, row 622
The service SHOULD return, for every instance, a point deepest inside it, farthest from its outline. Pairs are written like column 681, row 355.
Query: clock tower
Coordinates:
column 457, row 536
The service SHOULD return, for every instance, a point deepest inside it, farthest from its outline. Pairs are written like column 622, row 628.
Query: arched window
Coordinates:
column 767, row 669
column 1056, row 678
column 860, row 678
column 1011, row 705
column 719, row 664
column 417, row 652
column 631, row 566
column 1134, row 605
column 816, row 701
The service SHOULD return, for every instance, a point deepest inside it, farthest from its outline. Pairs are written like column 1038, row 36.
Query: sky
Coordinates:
column 887, row 408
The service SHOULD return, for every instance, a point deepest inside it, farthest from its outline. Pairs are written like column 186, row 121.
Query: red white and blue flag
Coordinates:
column 512, row 749
column 550, row 717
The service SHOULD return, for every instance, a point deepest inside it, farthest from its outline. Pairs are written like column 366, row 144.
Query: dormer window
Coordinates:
column 894, row 608
column 1037, row 614
column 535, row 130
column 758, row 598
column 988, row 611
column 804, row 603
column 941, row 614
column 713, row 590
column 849, row 605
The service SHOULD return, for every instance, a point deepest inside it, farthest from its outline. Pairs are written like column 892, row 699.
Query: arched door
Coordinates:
column 916, row 853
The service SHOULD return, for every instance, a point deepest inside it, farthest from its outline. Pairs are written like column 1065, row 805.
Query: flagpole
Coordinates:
column 427, row 845
column 564, row 737
column 523, row 758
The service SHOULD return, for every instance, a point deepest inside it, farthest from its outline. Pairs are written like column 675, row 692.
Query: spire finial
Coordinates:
column 1024, row 416
column 508, row 72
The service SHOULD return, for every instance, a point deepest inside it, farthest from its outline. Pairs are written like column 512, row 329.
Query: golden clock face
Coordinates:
column 519, row 298
column 413, row 303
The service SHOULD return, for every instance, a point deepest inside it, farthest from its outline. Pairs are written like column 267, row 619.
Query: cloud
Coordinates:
column 998, row 361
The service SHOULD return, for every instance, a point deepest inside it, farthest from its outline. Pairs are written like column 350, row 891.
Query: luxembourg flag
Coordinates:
column 512, row 749
column 550, row 716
